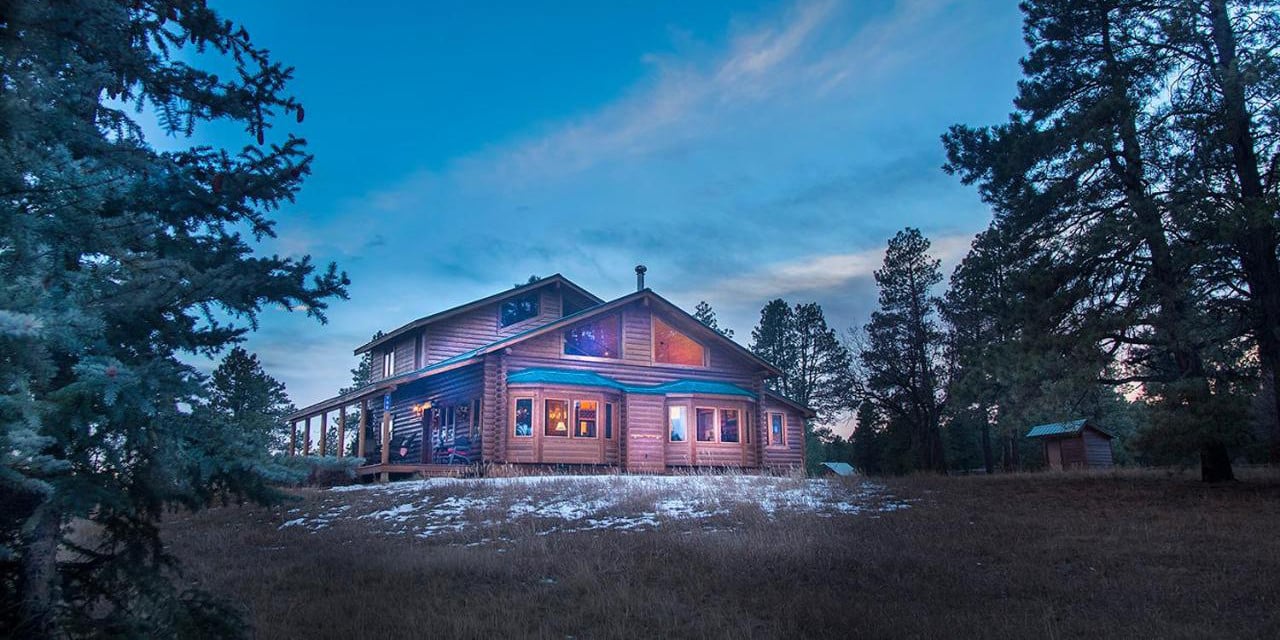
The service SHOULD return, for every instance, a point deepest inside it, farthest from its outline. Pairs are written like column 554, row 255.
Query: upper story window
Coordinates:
column 672, row 347
column 597, row 338
column 519, row 308
column 388, row 363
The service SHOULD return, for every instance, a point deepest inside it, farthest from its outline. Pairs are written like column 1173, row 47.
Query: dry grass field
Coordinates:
column 1139, row 554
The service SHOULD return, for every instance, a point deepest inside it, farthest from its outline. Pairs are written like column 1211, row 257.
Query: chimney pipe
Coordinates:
column 640, row 277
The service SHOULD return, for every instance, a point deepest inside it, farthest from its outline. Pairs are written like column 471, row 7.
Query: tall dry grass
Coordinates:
column 1142, row 555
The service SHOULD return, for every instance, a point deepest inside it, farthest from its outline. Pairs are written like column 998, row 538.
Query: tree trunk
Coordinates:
column 1255, row 237
column 987, row 460
column 1215, row 463
column 41, row 535
column 1165, row 277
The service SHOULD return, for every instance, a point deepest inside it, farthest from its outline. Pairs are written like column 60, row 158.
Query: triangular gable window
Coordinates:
column 670, row 346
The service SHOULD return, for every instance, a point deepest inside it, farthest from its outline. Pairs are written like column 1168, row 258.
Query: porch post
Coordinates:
column 306, row 436
column 364, row 424
column 342, row 431
column 293, row 438
column 324, row 431
column 386, row 443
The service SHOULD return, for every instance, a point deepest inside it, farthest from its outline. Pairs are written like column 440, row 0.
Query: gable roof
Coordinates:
column 463, row 308
column 469, row 357
column 1070, row 428
column 794, row 404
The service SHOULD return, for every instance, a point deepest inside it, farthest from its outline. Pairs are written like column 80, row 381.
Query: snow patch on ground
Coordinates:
column 544, row 505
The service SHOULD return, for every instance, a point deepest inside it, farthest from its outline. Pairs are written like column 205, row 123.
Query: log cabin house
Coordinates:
column 549, row 374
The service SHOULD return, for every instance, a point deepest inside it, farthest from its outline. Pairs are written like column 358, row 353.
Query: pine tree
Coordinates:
column 707, row 316
column 774, row 340
column 1085, row 170
column 251, row 400
column 1223, row 109
column 362, row 374
column 819, row 376
column 116, row 259
column 902, row 370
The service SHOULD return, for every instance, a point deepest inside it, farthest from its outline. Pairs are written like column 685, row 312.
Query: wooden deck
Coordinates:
column 427, row 470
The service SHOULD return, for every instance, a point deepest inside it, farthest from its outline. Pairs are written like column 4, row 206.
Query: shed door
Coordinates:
column 1072, row 453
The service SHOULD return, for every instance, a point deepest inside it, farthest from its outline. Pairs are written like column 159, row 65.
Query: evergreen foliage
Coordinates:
column 815, row 367
column 901, row 368
column 1135, row 232
column 115, row 260
column 707, row 316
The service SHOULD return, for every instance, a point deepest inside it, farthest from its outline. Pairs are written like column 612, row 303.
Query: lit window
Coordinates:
column 728, row 425
column 706, row 420
column 608, row 421
column 679, row 419
column 777, row 434
column 585, row 415
column 520, row 308
column 388, row 363
column 524, row 417
column 599, row 338
column 672, row 347
column 557, row 416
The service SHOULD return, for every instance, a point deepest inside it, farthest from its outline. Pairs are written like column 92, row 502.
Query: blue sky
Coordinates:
column 742, row 151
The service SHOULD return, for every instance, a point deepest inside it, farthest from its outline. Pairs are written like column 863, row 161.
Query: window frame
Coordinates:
column 782, row 439
column 537, row 310
column 720, row 411
column 608, row 420
column 670, row 432
column 715, row 424
column 564, row 340
column 653, row 349
column 573, row 433
column 388, row 363
column 546, row 424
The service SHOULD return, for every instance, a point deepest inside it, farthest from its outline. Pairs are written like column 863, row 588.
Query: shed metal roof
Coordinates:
column 1070, row 428
column 840, row 468
column 593, row 379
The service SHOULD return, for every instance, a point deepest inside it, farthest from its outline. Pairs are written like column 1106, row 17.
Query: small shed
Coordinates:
column 842, row 469
column 1078, row 444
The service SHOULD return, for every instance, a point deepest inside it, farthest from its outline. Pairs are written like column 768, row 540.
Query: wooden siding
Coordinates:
column 450, row 389
column 405, row 356
column 1072, row 452
column 644, row 431
column 491, row 410
column 1097, row 449
column 479, row 327
column 792, row 455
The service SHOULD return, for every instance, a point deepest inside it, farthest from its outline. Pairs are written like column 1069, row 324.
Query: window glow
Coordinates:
column 557, row 414
column 672, row 347
column 599, row 338
column 586, row 412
